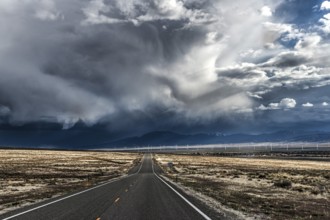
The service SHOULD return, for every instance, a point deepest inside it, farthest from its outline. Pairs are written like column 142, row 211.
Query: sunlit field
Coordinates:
column 262, row 188
column 28, row 176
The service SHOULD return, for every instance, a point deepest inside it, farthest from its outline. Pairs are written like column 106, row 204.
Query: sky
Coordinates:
column 188, row 66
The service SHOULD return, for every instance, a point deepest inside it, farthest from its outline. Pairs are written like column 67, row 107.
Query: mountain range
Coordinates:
column 82, row 137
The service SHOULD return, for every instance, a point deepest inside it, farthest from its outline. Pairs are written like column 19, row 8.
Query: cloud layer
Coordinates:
column 185, row 65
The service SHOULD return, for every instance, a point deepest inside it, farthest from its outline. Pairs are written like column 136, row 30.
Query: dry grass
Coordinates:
column 27, row 176
column 272, row 188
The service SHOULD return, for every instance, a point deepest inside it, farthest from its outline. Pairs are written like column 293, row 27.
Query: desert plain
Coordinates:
column 254, row 187
column 30, row 176
column 259, row 188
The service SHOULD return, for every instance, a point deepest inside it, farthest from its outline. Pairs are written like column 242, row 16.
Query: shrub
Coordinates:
column 283, row 184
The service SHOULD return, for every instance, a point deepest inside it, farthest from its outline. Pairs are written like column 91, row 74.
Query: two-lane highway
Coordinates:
column 141, row 195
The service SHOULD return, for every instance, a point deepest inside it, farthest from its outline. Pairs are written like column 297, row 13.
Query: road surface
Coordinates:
column 143, row 194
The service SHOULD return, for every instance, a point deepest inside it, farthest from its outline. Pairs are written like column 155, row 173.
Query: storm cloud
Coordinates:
column 146, row 65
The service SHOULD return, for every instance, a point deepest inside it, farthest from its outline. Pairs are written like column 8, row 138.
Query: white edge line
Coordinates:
column 58, row 200
column 182, row 197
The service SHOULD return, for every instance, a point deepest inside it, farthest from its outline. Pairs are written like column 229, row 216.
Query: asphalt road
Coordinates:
column 143, row 194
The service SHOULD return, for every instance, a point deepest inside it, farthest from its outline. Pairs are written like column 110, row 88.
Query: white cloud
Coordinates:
column 253, row 95
column 325, row 104
column 278, row 27
column 211, row 37
column 307, row 105
column 274, row 106
column 170, row 9
column 308, row 42
column 325, row 5
column 326, row 23
column 266, row 11
column 286, row 103
column 137, row 12
column 262, row 107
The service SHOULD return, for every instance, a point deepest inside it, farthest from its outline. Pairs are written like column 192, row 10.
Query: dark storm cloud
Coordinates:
column 66, row 61
column 287, row 59
column 147, row 65
column 240, row 73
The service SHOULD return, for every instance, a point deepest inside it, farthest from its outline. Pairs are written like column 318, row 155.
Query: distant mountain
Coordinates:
column 84, row 137
column 166, row 138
